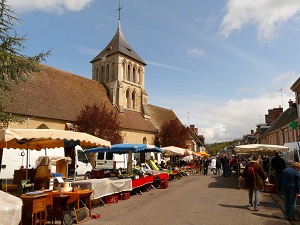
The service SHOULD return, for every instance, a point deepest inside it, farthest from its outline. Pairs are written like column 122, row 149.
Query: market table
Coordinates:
column 104, row 187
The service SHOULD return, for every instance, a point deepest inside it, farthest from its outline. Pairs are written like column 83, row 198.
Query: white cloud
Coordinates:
column 267, row 15
column 220, row 120
column 57, row 6
column 195, row 52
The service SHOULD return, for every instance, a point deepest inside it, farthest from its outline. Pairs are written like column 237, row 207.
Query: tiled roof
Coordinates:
column 56, row 94
column 118, row 44
column 159, row 115
column 284, row 119
column 135, row 120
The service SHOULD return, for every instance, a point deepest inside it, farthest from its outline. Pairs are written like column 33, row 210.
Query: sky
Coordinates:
column 219, row 65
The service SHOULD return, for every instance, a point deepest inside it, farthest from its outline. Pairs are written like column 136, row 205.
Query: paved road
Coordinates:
column 192, row 200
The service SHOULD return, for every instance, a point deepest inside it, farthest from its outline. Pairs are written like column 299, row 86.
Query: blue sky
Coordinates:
column 219, row 65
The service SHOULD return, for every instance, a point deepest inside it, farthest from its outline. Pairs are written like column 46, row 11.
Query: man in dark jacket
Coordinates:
column 289, row 184
column 278, row 165
column 254, row 176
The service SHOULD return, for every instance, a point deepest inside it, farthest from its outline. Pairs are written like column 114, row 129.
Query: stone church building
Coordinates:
column 53, row 98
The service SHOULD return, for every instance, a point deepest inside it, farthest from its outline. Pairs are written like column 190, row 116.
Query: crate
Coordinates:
column 164, row 184
column 124, row 195
column 111, row 199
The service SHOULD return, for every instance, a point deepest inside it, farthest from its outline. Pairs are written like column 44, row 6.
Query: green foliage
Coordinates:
column 15, row 66
column 217, row 147
column 100, row 122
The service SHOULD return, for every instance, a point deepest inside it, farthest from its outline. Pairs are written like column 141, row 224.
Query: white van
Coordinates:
column 14, row 159
column 293, row 155
column 112, row 161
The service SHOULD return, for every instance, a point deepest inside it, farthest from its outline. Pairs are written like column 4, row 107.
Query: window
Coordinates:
column 102, row 78
column 107, row 72
column 134, row 75
column 113, row 71
column 100, row 156
column 109, row 156
column 82, row 157
column 128, row 73
column 134, row 100
column 128, row 99
column 124, row 70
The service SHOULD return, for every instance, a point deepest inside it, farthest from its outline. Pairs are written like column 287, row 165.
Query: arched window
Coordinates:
column 145, row 141
column 102, row 78
column 124, row 70
column 128, row 98
column 107, row 72
column 134, row 75
column 140, row 77
column 133, row 100
column 128, row 73
column 97, row 75
column 42, row 126
column 113, row 71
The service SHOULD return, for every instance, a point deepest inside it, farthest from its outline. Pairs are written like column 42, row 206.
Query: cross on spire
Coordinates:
column 119, row 9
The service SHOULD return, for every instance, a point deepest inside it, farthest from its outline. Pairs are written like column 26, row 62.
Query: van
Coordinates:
column 112, row 161
column 293, row 155
column 14, row 159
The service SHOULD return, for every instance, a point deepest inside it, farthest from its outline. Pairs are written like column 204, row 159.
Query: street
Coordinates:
column 195, row 199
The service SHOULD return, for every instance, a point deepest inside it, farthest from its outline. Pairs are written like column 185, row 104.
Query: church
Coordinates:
column 53, row 98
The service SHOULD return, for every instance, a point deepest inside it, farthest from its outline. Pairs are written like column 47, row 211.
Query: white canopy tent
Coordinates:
column 260, row 149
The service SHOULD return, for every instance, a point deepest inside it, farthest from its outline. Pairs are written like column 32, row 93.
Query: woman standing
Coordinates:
column 254, row 176
column 289, row 185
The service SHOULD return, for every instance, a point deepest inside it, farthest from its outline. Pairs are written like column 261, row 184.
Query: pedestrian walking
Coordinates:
column 205, row 165
column 218, row 166
column 278, row 165
column 289, row 185
column 213, row 165
column 254, row 176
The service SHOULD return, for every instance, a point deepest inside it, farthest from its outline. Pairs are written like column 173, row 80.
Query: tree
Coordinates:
column 15, row 66
column 172, row 133
column 100, row 122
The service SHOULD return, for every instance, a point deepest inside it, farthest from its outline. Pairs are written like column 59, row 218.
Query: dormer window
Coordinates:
column 128, row 49
column 108, row 49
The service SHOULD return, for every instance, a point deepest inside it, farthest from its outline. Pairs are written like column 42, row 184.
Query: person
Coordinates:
column 278, row 165
column 213, row 165
column 225, row 165
column 205, row 166
column 289, row 185
column 254, row 176
column 266, row 164
column 218, row 166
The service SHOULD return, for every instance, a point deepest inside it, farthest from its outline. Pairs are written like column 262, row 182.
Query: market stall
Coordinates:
column 104, row 187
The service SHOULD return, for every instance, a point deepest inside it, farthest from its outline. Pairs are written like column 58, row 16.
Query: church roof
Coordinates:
column 118, row 44
column 159, row 115
column 56, row 94
column 134, row 120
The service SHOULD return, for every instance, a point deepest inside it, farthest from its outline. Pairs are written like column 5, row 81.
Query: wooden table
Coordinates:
column 35, row 206
column 59, row 206
column 76, row 197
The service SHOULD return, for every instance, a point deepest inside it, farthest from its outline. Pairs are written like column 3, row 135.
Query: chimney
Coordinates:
column 291, row 103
